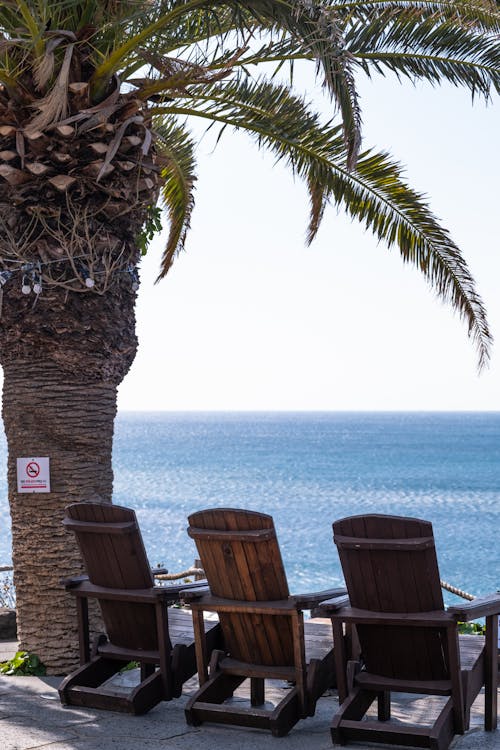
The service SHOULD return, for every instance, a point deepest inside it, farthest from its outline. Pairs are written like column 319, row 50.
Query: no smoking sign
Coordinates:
column 33, row 474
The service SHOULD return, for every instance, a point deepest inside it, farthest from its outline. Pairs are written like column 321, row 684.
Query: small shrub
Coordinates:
column 131, row 665
column 471, row 628
column 23, row 663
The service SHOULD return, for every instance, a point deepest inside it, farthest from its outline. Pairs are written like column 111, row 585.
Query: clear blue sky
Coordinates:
column 250, row 318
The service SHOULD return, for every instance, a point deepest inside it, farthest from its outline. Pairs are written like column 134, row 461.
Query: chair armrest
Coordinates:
column 70, row 583
column 76, row 580
column 330, row 606
column 482, row 606
column 194, row 591
column 152, row 595
column 309, row 601
column 209, row 603
column 434, row 619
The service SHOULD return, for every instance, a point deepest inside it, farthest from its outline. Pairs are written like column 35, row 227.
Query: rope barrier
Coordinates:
column 200, row 572
column 176, row 576
column 455, row 590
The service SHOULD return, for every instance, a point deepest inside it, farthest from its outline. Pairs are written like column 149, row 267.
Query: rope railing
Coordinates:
column 198, row 572
column 455, row 590
column 192, row 571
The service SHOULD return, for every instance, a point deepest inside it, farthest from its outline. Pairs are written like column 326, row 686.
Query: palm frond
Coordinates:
column 306, row 22
column 482, row 15
column 374, row 193
column 429, row 49
column 176, row 152
column 377, row 196
column 54, row 106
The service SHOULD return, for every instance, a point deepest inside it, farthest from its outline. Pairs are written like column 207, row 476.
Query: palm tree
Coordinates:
column 95, row 97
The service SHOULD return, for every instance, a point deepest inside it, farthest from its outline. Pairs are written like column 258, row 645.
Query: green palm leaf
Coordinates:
column 430, row 49
column 374, row 193
column 176, row 149
column 306, row 22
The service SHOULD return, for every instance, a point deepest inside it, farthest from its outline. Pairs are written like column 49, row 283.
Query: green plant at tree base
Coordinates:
column 23, row 663
column 130, row 666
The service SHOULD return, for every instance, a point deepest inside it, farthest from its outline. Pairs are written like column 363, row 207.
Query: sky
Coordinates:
column 250, row 318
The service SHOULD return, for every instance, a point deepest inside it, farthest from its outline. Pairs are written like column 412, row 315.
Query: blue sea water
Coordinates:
column 308, row 469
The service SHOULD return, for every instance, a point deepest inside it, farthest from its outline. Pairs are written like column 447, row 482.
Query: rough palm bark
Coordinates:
column 59, row 400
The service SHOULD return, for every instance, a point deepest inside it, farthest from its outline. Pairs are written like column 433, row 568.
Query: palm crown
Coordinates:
column 97, row 97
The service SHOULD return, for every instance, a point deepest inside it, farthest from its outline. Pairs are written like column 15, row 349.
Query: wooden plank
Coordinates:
column 399, row 545
column 91, row 527
column 373, row 731
column 369, row 681
column 252, row 535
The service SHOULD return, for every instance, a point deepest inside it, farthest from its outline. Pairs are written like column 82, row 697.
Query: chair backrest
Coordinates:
column 241, row 558
column 114, row 556
column 390, row 565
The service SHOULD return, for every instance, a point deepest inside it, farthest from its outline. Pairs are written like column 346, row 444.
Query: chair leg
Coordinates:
column 92, row 675
column 218, row 688
column 320, row 675
column 148, row 694
column 491, row 675
column 443, row 730
column 183, row 666
column 340, row 656
column 257, row 691
column 286, row 714
column 146, row 670
column 384, row 705
column 352, row 709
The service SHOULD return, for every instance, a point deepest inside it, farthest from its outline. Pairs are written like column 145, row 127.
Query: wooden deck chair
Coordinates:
column 409, row 643
column 263, row 628
column 134, row 611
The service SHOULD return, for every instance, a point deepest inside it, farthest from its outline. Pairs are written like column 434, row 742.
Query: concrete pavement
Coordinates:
column 31, row 718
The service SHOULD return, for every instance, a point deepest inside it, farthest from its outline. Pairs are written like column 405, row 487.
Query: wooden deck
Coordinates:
column 318, row 632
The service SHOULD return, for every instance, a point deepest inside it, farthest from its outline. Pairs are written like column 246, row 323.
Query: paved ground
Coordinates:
column 31, row 717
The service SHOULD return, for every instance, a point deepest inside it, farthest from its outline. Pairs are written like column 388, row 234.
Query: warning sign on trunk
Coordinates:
column 33, row 474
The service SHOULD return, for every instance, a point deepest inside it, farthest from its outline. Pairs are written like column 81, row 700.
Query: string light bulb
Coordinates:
column 134, row 277
column 26, row 286
column 4, row 277
column 87, row 278
column 37, row 284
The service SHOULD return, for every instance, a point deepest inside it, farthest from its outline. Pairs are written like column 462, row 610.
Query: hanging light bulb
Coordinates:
column 26, row 286
column 87, row 278
column 134, row 277
column 37, row 284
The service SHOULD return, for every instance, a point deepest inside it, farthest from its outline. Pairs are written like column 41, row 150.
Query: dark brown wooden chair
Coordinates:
column 263, row 627
column 408, row 642
column 138, row 625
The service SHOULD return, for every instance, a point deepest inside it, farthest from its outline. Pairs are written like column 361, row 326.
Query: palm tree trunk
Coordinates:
column 60, row 403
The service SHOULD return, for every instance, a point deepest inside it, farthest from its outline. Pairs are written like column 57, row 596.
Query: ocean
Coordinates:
column 308, row 469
